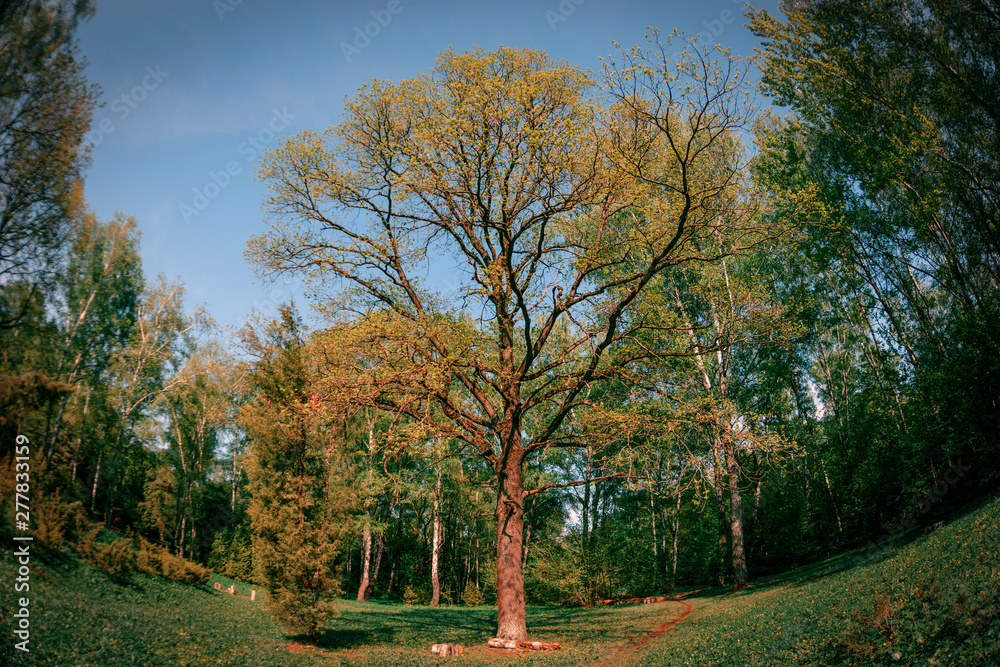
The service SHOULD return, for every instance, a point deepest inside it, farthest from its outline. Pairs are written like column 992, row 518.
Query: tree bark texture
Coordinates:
column 736, row 511
column 510, row 531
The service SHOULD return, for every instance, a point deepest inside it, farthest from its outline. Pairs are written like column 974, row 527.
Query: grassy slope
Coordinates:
column 80, row 617
column 932, row 601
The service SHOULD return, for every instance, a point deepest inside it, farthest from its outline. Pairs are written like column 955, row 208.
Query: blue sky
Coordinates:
column 193, row 90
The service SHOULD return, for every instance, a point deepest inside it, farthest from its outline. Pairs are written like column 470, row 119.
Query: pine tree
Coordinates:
column 300, row 502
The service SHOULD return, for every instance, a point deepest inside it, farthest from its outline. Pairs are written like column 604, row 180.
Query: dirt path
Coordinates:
column 616, row 657
column 663, row 628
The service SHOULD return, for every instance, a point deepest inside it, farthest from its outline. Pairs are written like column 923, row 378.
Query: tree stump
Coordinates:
column 218, row 586
column 446, row 649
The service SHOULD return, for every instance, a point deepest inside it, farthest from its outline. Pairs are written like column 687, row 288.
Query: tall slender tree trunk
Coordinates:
column 736, row 511
column 527, row 545
column 510, row 531
column 833, row 500
column 54, row 438
column 677, row 533
column 656, row 552
column 366, row 557
column 377, row 548
column 79, row 437
column 236, row 474
column 585, row 519
column 180, row 545
column 97, row 476
column 720, row 500
column 366, row 537
column 436, row 545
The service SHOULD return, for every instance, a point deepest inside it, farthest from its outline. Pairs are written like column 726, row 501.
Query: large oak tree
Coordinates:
column 555, row 204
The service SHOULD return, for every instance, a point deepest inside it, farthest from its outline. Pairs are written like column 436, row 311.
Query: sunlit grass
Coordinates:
column 932, row 601
column 81, row 617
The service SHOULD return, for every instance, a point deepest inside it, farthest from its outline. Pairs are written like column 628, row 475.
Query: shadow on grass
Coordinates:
column 385, row 625
column 334, row 639
column 818, row 570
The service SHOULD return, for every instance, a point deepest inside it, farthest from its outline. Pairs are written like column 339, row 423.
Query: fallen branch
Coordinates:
column 496, row 642
column 676, row 597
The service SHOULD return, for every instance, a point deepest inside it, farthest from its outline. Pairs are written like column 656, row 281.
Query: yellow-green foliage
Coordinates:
column 300, row 498
column 117, row 559
column 410, row 596
column 55, row 522
column 471, row 595
column 121, row 557
column 157, row 561
column 149, row 561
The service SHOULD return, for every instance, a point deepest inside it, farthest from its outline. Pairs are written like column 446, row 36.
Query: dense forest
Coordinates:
column 685, row 338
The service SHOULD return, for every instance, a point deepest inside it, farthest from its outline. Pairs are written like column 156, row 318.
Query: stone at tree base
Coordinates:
column 446, row 649
column 496, row 642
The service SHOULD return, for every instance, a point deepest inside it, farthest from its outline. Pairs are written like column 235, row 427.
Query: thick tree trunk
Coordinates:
column 510, row 529
column 436, row 546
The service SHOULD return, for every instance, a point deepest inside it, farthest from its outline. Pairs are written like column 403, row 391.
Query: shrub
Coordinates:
column 232, row 554
column 471, row 595
column 157, row 561
column 149, row 560
column 555, row 576
column 192, row 573
column 117, row 559
column 55, row 521
column 410, row 596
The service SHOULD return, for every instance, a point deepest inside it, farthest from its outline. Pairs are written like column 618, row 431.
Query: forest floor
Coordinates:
column 934, row 600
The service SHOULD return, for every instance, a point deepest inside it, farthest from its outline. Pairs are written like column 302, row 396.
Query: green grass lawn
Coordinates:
column 933, row 601
column 81, row 617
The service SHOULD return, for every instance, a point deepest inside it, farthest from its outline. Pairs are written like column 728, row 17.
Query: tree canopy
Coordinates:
column 559, row 202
